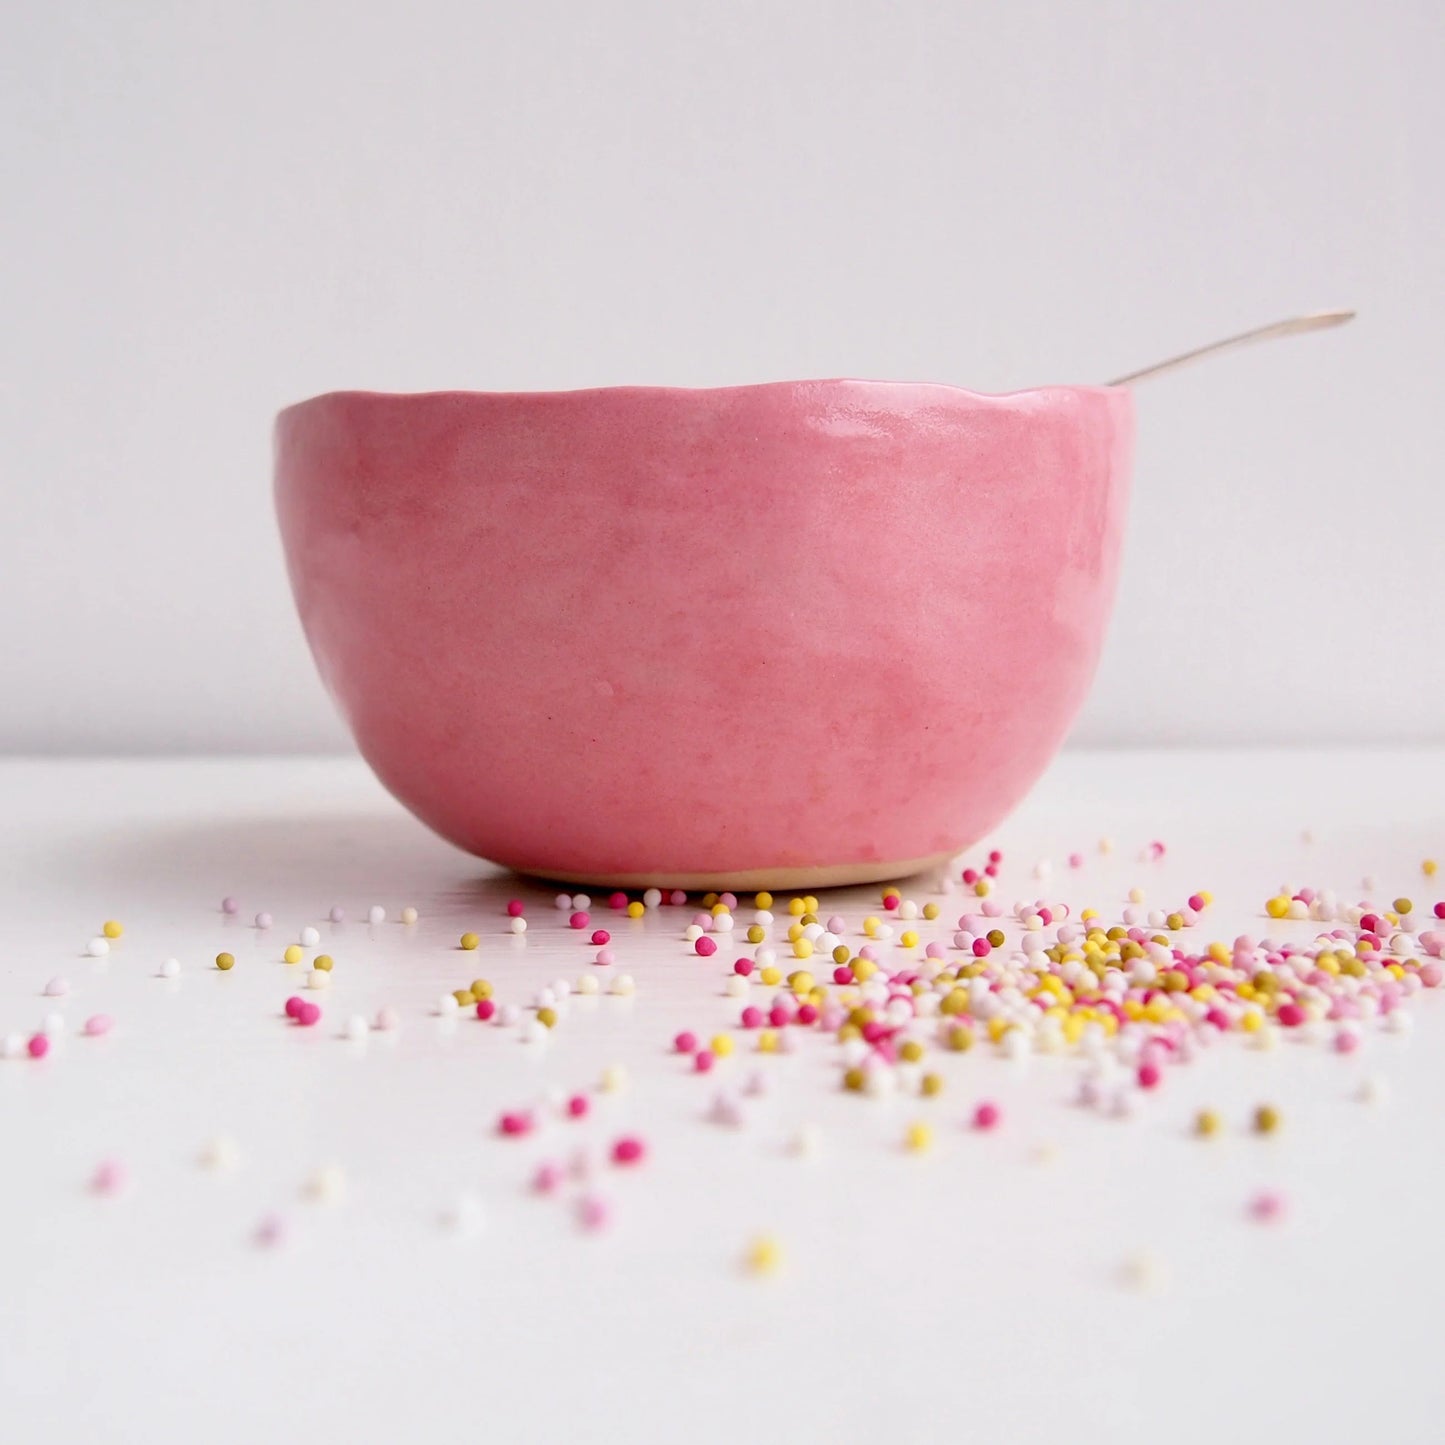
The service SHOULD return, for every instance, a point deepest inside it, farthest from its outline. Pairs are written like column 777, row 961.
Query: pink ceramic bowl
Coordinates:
column 806, row 633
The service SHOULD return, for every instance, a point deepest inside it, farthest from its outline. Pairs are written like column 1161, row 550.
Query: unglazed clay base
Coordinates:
column 835, row 875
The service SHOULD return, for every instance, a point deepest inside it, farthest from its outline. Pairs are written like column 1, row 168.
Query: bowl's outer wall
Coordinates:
column 642, row 630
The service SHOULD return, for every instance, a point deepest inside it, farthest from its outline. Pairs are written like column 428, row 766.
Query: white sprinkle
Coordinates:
column 464, row 1216
column 53, row 1024
column 561, row 988
column 327, row 1185
column 171, row 968
column 1144, row 1272
column 508, row 1015
column 908, row 909
column 309, row 937
column 735, row 985
column 727, row 1110
column 692, row 933
column 263, row 920
column 448, row 1007
column 613, row 1080
column 376, row 914
column 220, row 1155
column 581, row 902
column 1397, row 1021
column 98, row 947
column 652, row 898
column 1373, row 1090
column 806, row 1143
column 14, row 1046
column 533, row 1031
column 357, row 1028
column 518, row 925
column 321, row 978
column 623, row 984
column 588, row 984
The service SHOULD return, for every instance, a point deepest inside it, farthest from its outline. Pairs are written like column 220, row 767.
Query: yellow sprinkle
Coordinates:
column 614, row 1079
column 757, row 933
column 636, row 909
column 768, row 1041
column 709, row 900
column 931, row 1084
column 764, row 1255
column 322, row 961
column 802, row 948
column 918, row 1138
column 480, row 988
column 841, row 954
column 721, row 1045
column 718, row 909
column 800, row 981
column 1206, row 1123
column 930, row 910
column 469, row 941
column 763, row 900
column 1266, row 1119
column 909, row 939
column 293, row 953
column 960, row 1039
column 771, row 976
column 1429, row 867
column 797, row 907
column 1403, row 905
column 225, row 961
column 111, row 928
column 547, row 1016
column 463, row 997
column 981, row 888
column 863, row 969
column 795, row 932
column 1277, row 906
column 910, row 1051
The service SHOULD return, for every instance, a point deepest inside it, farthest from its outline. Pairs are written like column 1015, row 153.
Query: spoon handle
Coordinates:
column 1314, row 321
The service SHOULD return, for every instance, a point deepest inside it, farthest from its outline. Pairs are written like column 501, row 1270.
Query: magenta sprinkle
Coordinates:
column 577, row 1106
column 308, row 1014
column 294, row 1006
column 743, row 967
column 702, row 1060
column 38, row 1046
column 486, row 1009
column 601, row 936
column 685, row 1042
column 593, row 1212
column 1149, row 1076
column 1290, row 1015
column 628, row 1150
column 514, row 908
column 617, row 902
column 752, row 1017
column 986, row 1116
column 516, row 1124
column 706, row 946
column 580, row 920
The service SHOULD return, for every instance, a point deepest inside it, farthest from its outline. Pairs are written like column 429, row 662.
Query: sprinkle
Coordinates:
column 806, row 1143
column 327, row 1185
column 57, row 988
column 448, row 1007
column 1373, row 1090
column 318, row 978
column 39, row 1045
column 409, row 915
column 918, row 1137
column 357, row 1028
column 294, row 953
column 705, row 947
column 764, row 1255
column 375, row 914
column 225, row 962
column 270, row 1232
column 97, row 1025
column 337, row 914
column 702, row 1061
column 623, row 984
column 171, row 968
column 986, row 1115
column 309, row 937
column 1144, row 1272
column 685, row 1042
column 110, row 1178
column 593, row 1212
column 580, row 919
column 387, row 1019
column 464, row 1216
column 1267, row 1206
column 229, row 905
column 12, row 1046
column 1266, row 1119
column 469, row 941
column 613, row 1080
column 98, row 947
column 1207, row 1123
column 220, row 1154
column 517, row 926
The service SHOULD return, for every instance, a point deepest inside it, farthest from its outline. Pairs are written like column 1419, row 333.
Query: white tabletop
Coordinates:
column 969, row 1293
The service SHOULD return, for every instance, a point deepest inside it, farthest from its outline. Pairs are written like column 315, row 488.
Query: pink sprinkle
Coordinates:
column 38, row 1046
column 515, row 1125
column 547, row 1178
column 728, row 901
column 514, row 908
column 1346, row 1041
column 837, row 924
column 677, row 897
column 604, row 957
column 337, row 914
column 702, row 1060
column 1156, row 849
column 580, row 920
column 1076, row 860
column 752, row 1017
column 601, row 936
column 109, row 1178
column 617, row 902
column 308, row 1014
column 98, row 1024
column 263, row 920
column 628, row 1150
column 271, row 1231
column 1431, row 974
column 986, row 1116
column 57, row 988
column 486, row 1009
column 1149, row 1076
column 593, row 1212
column 743, row 967
column 229, row 905
column 294, row 1006
column 1267, row 1206
column 685, row 1042
column 1290, row 1015
column 706, row 946
column 577, row 1106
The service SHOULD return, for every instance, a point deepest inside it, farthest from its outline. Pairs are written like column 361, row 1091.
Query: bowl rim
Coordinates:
column 1046, row 392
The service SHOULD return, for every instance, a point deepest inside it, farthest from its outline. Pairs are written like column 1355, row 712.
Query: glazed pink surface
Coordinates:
column 651, row 631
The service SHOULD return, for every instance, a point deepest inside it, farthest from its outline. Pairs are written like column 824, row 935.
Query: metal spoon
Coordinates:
column 1314, row 321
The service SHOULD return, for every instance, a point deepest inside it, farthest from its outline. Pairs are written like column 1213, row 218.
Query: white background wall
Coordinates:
column 210, row 210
